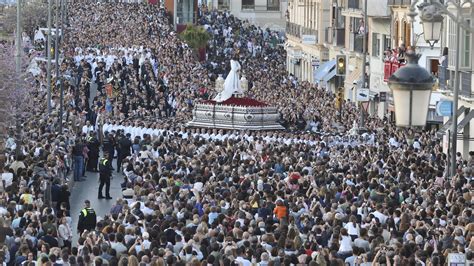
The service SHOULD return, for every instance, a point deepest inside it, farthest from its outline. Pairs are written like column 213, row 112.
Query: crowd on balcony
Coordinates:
column 208, row 197
column 395, row 55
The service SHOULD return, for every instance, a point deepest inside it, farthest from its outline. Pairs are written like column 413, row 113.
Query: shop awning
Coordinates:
column 330, row 75
column 448, row 124
column 467, row 118
column 324, row 70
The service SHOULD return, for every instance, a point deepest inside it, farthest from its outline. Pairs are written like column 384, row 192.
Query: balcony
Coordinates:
column 335, row 36
column 443, row 77
column 465, row 80
column 354, row 4
column 399, row 2
column 391, row 65
column 447, row 84
column 308, row 31
column 293, row 29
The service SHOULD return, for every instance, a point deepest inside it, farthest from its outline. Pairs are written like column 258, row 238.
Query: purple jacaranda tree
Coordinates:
column 15, row 94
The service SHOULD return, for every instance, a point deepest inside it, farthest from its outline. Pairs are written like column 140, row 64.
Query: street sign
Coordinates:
column 444, row 108
column 315, row 62
column 363, row 95
column 382, row 97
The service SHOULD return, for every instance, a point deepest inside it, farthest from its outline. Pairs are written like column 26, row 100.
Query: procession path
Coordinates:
column 88, row 189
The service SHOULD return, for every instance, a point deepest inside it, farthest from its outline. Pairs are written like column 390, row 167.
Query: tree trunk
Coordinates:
column 202, row 54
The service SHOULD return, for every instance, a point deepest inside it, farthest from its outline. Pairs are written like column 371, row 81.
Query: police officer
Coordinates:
column 87, row 218
column 94, row 148
column 105, row 172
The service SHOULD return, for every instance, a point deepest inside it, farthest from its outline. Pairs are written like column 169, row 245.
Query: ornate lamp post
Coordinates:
column 411, row 87
column 432, row 22
column 431, row 15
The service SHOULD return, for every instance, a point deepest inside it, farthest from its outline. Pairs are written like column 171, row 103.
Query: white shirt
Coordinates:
column 243, row 262
column 105, row 127
column 351, row 229
column 345, row 244
column 86, row 129
column 382, row 217
column 8, row 178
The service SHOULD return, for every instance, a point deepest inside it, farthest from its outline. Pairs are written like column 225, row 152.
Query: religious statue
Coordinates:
column 231, row 84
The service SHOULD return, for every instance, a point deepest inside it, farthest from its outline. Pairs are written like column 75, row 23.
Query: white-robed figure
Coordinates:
column 231, row 84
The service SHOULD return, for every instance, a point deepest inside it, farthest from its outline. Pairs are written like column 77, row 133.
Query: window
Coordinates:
column 386, row 42
column 397, row 33
column 273, row 5
column 357, row 25
column 248, row 4
column 375, row 45
column 407, row 34
column 466, row 47
column 223, row 4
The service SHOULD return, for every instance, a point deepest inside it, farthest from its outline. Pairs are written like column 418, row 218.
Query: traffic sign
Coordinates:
column 363, row 95
column 444, row 108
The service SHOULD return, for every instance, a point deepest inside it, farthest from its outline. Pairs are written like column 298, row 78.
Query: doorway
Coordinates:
column 434, row 64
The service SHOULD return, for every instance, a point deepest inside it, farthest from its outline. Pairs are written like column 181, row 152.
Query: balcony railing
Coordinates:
column 223, row 4
column 445, row 83
column 465, row 80
column 399, row 2
column 293, row 29
column 308, row 31
column 248, row 7
column 391, row 65
column 354, row 4
column 443, row 77
column 273, row 7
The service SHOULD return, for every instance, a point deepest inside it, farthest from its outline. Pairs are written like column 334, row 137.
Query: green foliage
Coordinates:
column 34, row 13
column 195, row 36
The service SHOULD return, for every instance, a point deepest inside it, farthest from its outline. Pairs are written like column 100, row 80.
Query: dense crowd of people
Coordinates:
column 215, row 197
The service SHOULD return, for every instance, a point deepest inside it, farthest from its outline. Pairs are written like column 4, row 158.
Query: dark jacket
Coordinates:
column 105, row 168
column 87, row 220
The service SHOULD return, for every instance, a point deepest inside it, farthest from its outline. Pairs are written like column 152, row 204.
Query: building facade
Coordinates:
column 264, row 13
column 182, row 11
column 465, row 56
column 305, row 39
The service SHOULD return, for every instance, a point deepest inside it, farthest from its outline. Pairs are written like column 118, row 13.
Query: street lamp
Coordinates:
column 432, row 20
column 411, row 87
column 431, row 15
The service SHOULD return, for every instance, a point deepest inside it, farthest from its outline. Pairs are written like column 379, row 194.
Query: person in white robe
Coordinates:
column 231, row 84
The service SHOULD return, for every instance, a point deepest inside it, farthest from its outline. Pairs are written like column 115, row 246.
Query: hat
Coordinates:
column 87, row 202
